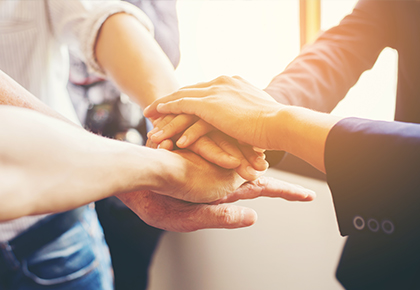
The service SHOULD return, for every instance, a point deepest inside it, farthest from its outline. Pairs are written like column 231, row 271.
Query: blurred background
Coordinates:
column 292, row 245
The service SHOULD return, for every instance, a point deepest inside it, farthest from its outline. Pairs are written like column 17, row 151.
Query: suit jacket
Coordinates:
column 373, row 170
column 372, row 167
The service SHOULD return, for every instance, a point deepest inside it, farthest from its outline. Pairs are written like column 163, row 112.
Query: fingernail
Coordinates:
column 181, row 141
column 234, row 159
column 251, row 171
column 157, row 134
column 261, row 160
column 153, row 131
column 311, row 195
column 249, row 217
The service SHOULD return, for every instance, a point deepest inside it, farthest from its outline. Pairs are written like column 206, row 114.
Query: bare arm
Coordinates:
column 130, row 56
column 13, row 94
column 53, row 166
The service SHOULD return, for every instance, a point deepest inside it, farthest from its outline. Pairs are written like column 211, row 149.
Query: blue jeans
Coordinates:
column 78, row 259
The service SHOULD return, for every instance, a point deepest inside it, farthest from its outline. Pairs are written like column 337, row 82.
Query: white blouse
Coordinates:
column 34, row 38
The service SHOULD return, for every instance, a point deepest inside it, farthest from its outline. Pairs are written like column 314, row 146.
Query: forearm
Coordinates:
column 130, row 56
column 324, row 71
column 13, row 94
column 303, row 133
column 56, row 167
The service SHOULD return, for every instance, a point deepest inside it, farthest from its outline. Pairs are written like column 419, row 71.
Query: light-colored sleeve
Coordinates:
column 77, row 24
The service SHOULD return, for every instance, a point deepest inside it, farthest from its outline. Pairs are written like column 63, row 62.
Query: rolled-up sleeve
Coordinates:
column 77, row 24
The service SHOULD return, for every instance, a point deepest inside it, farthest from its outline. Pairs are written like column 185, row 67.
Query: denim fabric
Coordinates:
column 78, row 259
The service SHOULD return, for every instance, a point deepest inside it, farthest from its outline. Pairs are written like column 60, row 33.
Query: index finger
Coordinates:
column 270, row 187
column 190, row 92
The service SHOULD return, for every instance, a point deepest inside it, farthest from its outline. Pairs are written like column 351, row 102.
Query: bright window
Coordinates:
column 256, row 40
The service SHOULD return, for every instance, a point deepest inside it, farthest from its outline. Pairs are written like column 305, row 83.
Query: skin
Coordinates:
column 65, row 166
column 213, row 144
column 55, row 166
column 255, row 118
column 141, row 70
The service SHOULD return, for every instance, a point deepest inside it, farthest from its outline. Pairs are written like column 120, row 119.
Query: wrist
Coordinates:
column 277, row 128
column 162, row 170
column 303, row 133
column 131, row 167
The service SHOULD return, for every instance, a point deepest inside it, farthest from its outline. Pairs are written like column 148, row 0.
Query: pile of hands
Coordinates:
column 221, row 168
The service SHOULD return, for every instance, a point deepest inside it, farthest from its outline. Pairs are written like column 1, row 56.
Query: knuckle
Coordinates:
column 225, row 144
column 262, row 182
column 167, row 119
column 170, row 126
column 180, row 102
column 223, row 79
column 227, row 216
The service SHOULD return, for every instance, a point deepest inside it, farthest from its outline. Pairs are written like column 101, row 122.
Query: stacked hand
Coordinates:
column 198, row 136
column 215, row 146
column 230, row 105
column 177, row 215
column 173, row 203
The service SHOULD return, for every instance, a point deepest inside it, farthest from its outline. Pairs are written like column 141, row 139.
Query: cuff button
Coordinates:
column 373, row 225
column 388, row 227
column 359, row 223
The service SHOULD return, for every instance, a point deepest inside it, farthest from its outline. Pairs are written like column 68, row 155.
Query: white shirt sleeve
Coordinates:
column 77, row 23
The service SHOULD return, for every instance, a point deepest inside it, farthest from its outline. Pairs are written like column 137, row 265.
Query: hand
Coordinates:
column 215, row 147
column 232, row 105
column 175, row 215
column 185, row 175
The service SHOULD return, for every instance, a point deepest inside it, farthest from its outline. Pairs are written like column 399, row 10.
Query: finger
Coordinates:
column 256, row 159
column 256, row 149
column 166, row 144
column 239, row 78
column 221, row 80
column 223, row 216
column 242, row 80
column 243, row 143
column 210, row 151
column 270, row 187
column 180, row 106
column 151, row 110
column 199, row 85
column 200, row 128
column 157, row 121
column 229, row 145
column 277, row 188
column 172, row 214
column 151, row 144
column 160, row 123
column 175, row 126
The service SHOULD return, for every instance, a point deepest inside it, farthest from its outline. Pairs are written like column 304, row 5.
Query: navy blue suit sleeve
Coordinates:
column 373, row 171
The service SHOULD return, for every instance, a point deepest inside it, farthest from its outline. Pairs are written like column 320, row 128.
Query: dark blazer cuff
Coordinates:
column 373, row 171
